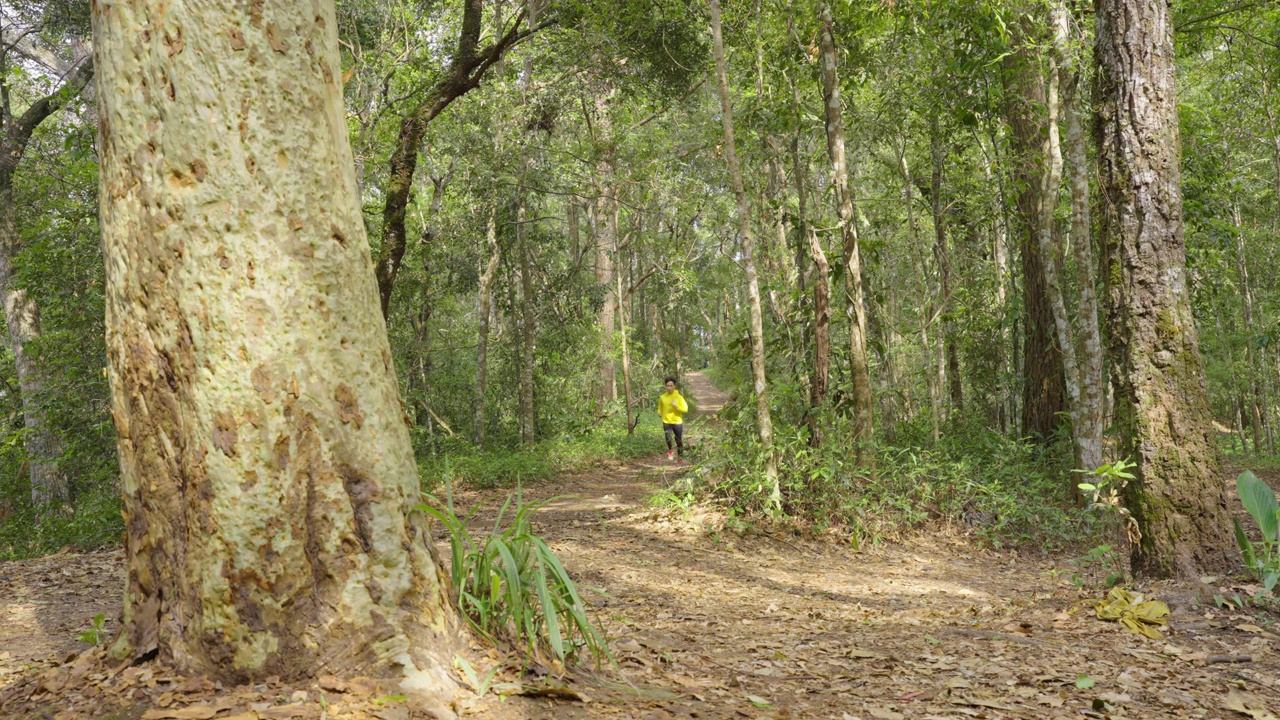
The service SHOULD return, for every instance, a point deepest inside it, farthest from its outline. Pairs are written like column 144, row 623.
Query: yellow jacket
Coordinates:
column 672, row 407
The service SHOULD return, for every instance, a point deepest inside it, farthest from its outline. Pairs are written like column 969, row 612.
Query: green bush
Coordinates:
column 1011, row 492
column 506, row 467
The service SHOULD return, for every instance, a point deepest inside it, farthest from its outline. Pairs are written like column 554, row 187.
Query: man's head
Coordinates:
column 670, row 384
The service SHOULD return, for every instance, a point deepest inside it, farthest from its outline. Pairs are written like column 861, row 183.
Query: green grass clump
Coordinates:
column 513, row 589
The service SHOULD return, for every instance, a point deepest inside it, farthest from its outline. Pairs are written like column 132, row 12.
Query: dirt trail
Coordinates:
column 711, row 625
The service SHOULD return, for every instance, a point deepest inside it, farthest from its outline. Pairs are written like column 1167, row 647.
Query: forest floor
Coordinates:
column 709, row 624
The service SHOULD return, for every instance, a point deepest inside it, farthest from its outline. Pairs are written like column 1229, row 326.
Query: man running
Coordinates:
column 671, row 408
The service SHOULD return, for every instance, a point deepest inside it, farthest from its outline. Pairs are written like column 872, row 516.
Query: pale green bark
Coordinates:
column 266, row 468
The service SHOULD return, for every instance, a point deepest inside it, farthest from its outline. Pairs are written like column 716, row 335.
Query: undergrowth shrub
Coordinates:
column 490, row 467
column 1011, row 492
column 512, row 589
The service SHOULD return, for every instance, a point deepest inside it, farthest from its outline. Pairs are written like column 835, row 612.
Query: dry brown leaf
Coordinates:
column 284, row 712
column 191, row 712
column 1246, row 705
column 885, row 713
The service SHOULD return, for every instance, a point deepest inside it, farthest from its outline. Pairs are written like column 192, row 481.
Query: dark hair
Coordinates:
column 671, row 380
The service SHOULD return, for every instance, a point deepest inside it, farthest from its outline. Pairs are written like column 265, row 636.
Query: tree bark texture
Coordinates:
column 606, row 246
column 22, row 314
column 859, row 366
column 764, row 423
column 1050, row 185
column 1043, row 392
column 1089, row 423
column 1178, row 498
column 266, row 467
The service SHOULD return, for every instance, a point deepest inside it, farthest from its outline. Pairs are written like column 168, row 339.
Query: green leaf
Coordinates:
column 1084, row 682
column 1246, row 547
column 1260, row 500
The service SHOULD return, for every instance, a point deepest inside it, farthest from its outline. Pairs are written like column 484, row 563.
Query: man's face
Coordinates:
column 670, row 386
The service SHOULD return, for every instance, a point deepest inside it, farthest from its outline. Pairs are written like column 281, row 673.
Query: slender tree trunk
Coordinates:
column 1178, row 499
column 1025, row 92
column 764, row 422
column 859, row 366
column 267, row 473
column 528, row 330
column 22, row 318
column 606, row 247
column 22, row 314
column 1246, row 300
column 485, row 310
column 626, row 356
column 1089, row 361
column 1050, row 185
column 422, row 322
column 821, row 302
column 466, row 68
column 938, row 156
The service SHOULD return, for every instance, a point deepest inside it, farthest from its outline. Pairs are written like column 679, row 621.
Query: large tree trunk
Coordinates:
column 764, row 423
column 1179, row 498
column 22, row 315
column 859, row 366
column 484, row 311
column 266, row 468
column 1042, row 397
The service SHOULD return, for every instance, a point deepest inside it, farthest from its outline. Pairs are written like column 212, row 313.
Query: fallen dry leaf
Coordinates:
column 191, row 712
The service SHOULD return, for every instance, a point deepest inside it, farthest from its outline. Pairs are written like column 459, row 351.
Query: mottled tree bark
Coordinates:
column 1179, row 498
column 764, row 423
column 1092, row 401
column 606, row 241
column 1043, row 391
column 266, row 468
column 859, row 366
column 484, row 311
column 22, row 314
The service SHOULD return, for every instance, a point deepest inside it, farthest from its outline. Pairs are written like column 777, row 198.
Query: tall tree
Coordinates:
column 1178, row 498
column 764, row 422
column 1024, row 111
column 266, row 467
column 466, row 69
column 21, row 313
column 859, row 366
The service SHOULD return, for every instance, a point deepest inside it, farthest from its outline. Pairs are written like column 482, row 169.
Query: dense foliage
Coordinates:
column 590, row 162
